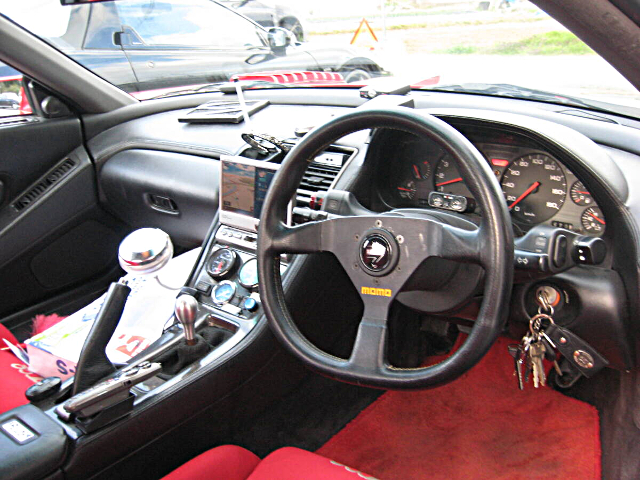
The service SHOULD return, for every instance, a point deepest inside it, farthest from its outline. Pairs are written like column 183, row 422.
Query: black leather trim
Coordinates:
column 37, row 458
column 497, row 250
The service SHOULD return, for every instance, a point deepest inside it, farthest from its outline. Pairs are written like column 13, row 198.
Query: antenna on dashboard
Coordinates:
column 243, row 105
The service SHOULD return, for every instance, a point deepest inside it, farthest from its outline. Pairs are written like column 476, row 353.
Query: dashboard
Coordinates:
column 537, row 185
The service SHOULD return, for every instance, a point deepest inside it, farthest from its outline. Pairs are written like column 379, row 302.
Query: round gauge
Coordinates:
column 579, row 195
column 592, row 220
column 407, row 190
column 221, row 262
column 447, row 178
column 224, row 292
column 420, row 170
column 535, row 188
column 248, row 274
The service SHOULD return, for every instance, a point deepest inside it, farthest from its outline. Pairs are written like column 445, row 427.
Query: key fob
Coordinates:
column 582, row 355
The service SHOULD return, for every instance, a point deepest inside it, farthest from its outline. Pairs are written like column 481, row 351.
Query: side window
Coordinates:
column 188, row 23
column 13, row 100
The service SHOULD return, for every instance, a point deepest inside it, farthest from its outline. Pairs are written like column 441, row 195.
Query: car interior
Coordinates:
column 360, row 287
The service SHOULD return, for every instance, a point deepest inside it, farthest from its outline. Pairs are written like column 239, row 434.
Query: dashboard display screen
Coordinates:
column 243, row 188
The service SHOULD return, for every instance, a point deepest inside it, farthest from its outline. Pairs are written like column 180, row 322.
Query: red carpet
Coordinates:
column 478, row 427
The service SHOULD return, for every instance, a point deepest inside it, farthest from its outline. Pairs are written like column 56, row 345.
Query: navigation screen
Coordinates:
column 244, row 186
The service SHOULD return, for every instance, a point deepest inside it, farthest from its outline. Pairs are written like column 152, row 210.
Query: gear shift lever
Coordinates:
column 186, row 309
column 142, row 252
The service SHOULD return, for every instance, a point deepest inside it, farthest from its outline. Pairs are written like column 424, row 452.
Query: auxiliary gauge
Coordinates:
column 223, row 292
column 248, row 274
column 580, row 196
column 221, row 262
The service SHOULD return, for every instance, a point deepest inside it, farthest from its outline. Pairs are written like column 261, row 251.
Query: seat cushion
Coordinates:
column 227, row 462
column 15, row 376
column 294, row 464
column 230, row 462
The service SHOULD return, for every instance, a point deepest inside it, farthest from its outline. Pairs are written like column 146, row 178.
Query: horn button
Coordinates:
column 378, row 252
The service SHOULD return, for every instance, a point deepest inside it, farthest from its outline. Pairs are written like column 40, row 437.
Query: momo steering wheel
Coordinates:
column 380, row 252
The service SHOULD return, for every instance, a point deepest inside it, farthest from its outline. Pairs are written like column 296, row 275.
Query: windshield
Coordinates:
column 151, row 48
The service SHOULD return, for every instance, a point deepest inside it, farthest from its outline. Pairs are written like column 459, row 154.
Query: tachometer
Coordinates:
column 535, row 188
column 447, row 178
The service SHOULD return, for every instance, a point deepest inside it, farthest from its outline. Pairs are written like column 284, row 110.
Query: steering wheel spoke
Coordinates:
column 306, row 238
column 462, row 245
column 381, row 252
column 369, row 350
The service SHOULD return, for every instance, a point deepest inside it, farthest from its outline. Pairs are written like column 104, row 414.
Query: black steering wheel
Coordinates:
column 380, row 252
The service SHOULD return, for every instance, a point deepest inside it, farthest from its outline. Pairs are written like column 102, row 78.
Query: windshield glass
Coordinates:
column 167, row 47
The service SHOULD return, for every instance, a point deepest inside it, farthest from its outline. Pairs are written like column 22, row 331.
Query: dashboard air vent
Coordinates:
column 317, row 178
column 44, row 184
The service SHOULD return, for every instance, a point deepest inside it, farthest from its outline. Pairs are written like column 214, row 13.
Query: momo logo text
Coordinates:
column 378, row 292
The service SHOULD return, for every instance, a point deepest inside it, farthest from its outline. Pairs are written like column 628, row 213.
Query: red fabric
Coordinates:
column 42, row 322
column 15, row 376
column 295, row 464
column 227, row 462
column 235, row 463
column 479, row 426
column 5, row 333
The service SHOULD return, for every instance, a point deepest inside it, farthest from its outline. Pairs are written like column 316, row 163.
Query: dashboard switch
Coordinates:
column 589, row 250
column 560, row 251
column 531, row 261
column 250, row 304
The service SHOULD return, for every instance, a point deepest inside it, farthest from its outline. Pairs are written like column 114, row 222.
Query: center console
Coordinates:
column 152, row 396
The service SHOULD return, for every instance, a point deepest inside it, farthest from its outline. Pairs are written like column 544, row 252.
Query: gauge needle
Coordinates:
column 455, row 180
column 417, row 171
column 597, row 219
column 405, row 189
column 533, row 186
column 583, row 193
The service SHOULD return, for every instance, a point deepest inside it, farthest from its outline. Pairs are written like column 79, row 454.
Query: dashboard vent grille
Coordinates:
column 16, row 120
column 44, row 184
column 317, row 178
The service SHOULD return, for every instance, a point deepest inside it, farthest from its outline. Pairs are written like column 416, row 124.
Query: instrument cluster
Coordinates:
column 538, row 188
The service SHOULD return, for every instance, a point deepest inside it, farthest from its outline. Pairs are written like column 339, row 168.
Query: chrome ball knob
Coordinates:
column 145, row 251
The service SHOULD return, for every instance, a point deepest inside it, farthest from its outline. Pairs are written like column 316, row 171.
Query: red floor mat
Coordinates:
column 479, row 426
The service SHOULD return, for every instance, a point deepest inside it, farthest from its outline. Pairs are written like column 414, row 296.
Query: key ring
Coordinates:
column 535, row 323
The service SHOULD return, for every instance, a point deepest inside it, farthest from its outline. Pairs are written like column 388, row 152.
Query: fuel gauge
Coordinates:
column 580, row 195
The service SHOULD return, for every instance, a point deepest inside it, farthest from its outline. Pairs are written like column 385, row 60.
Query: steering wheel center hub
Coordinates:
column 378, row 252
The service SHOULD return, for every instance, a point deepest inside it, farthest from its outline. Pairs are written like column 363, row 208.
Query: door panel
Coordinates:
column 53, row 235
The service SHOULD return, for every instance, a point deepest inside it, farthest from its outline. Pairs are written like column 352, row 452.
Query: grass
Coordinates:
column 422, row 25
column 549, row 43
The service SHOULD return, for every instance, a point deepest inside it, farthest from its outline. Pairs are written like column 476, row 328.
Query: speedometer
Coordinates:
column 535, row 188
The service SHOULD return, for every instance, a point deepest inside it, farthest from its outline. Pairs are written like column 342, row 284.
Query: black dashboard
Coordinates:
column 562, row 175
column 538, row 187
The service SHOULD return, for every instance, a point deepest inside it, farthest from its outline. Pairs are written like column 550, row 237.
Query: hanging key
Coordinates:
column 536, row 354
column 582, row 355
column 518, row 356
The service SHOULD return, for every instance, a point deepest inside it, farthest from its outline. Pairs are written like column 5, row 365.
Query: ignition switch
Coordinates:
column 554, row 296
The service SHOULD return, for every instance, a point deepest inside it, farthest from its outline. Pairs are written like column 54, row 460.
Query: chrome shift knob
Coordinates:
column 145, row 251
column 186, row 310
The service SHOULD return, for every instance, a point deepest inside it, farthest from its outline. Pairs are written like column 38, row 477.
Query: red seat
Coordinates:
column 15, row 376
column 230, row 462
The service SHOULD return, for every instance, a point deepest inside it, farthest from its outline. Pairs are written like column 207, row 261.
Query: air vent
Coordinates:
column 317, row 178
column 45, row 183
column 16, row 120
column 222, row 111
